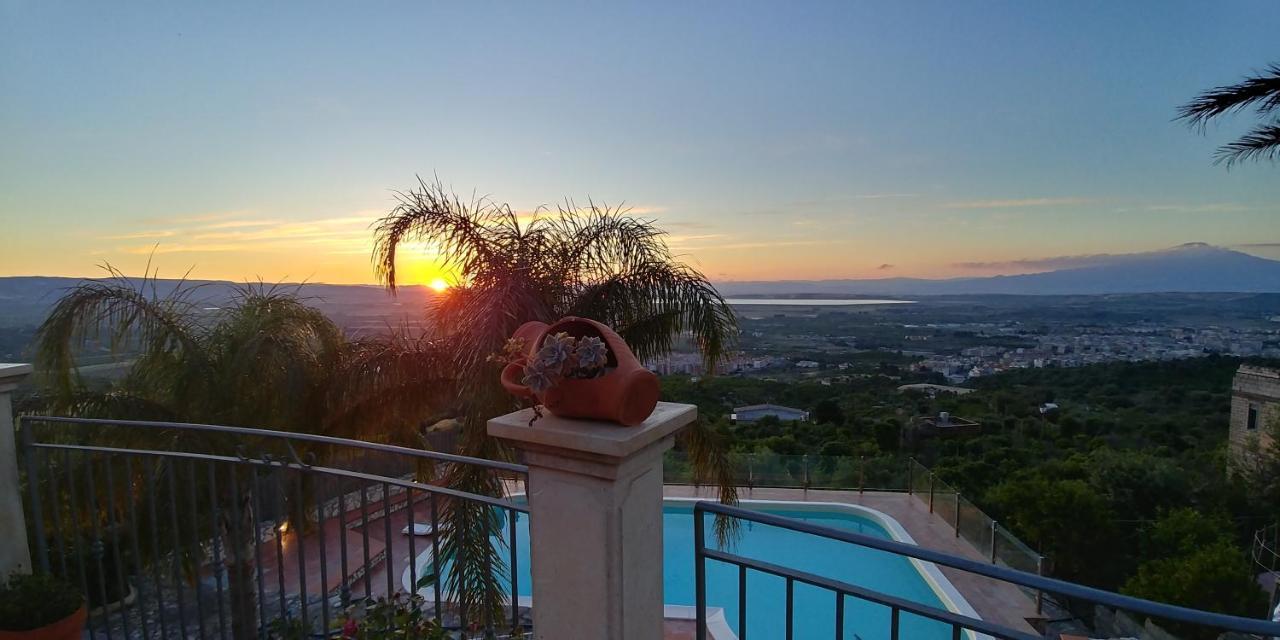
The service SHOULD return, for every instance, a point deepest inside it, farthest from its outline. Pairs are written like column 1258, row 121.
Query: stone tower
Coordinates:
column 1255, row 404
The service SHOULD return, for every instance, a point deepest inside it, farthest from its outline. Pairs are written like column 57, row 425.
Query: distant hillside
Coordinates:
column 1189, row 268
column 26, row 300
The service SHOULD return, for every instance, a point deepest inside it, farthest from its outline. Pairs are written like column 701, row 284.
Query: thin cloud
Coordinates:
column 238, row 224
column 884, row 267
column 144, row 235
column 643, row 211
column 704, row 236
column 1258, row 245
column 885, row 196
column 686, row 225
column 1209, row 207
column 760, row 245
column 200, row 217
column 183, row 248
column 341, row 234
column 1009, row 204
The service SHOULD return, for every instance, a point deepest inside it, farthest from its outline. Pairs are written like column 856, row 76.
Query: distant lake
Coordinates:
column 808, row 302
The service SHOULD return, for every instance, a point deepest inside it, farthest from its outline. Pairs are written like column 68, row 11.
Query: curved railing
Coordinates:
column 957, row 622
column 1266, row 548
column 1266, row 555
column 198, row 530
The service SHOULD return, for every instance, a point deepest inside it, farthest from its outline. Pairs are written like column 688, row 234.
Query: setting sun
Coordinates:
column 439, row 285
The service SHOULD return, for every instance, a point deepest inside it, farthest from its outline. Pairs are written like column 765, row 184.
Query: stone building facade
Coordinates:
column 1255, row 404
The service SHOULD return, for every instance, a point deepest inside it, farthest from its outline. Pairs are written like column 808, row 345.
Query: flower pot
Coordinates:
column 627, row 392
column 68, row 628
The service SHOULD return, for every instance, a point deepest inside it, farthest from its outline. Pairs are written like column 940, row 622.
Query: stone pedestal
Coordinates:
column 595, row 521
column 15, row 555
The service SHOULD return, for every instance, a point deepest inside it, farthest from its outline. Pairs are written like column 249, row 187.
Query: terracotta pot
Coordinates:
column 626, row 393
column 68, row 628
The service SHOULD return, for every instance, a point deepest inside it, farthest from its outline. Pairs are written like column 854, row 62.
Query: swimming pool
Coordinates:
column 814, row 609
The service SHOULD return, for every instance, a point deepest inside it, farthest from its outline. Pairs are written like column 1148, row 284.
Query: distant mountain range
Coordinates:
column 26, row 300
column 1190, row 268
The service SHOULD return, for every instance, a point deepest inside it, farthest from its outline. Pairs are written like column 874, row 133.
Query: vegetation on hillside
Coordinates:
column 1095, row 485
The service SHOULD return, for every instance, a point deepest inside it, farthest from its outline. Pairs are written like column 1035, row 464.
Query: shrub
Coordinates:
column 33, row 601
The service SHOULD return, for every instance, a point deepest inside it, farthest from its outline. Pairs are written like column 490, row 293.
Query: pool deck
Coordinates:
column 995, row 601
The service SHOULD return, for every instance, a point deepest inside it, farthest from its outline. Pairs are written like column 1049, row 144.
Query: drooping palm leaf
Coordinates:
column 123, row 315
column 1261, row 92
column 1262, row 143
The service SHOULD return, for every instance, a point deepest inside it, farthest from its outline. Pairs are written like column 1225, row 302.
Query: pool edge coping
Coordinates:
column 941, row 586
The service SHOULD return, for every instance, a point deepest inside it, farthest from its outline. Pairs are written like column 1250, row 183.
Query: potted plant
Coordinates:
column 40, row 607
column 579, row 368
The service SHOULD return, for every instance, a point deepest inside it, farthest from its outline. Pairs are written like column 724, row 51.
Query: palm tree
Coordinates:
column 595, row 261
column 1260, row 91
column 265, row 359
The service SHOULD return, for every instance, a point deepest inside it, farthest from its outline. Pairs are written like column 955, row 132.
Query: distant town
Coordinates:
column 830, row 344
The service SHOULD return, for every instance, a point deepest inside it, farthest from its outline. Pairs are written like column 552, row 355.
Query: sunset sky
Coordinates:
column 772, row 140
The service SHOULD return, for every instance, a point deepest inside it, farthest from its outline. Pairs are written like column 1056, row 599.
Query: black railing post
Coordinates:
column 700, row 572
column 910, row 477
column 1039, row 592
column 862, row 473
column 957, row 523
column 931, row 482
column 995, row 531
column 33, row 484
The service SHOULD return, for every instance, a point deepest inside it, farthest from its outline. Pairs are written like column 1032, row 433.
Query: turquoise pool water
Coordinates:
column 766, row 595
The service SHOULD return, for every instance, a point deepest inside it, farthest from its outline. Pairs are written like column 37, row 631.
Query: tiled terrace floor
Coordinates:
column 995, row 601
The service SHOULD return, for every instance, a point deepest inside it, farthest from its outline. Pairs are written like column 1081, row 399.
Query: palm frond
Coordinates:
column 1262, row 143
column 1260, row 90
column 592, row 242
column 383, row 388
column 274, row 356
column 653, row 303
column 123, row 314
column 709, row 460
column 479, row 574
column 460, row 230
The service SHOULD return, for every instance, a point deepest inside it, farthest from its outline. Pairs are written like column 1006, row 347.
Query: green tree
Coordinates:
column 1136, row 484
column 595, row 262
column 265, row 360
column 1068, row 520
column 1191, row 561
column 827, row 411
column 1260, row 92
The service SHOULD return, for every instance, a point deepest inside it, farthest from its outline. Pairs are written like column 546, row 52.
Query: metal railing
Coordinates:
column 192, row 530
column 887, row 473
column 970, row 523
column 899, row 608
column 762, row 470
column 1266, row 555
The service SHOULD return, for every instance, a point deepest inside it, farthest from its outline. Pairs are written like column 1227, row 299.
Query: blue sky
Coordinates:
column 772, row 140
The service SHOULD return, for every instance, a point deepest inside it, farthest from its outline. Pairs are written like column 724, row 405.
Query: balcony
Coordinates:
column 180, row 530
